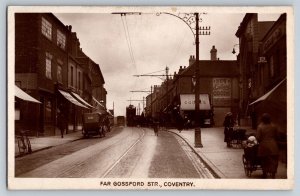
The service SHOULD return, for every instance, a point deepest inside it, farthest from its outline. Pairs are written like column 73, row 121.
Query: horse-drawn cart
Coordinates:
column 93, row 124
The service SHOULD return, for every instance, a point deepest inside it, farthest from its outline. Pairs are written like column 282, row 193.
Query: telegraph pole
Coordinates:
column 151, row 103
column 167, row 84
column 190, row 19
column 198, row 140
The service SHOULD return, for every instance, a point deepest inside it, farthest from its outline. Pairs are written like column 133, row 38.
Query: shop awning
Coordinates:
column 109, row 113
column 69, row 97
column 98, row 102
column 82, row 100
column 265, row 96
column 24, row 96
column 188, row 102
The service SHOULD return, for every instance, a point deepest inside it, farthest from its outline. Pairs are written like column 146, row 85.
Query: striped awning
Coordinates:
column 98, row 102
column 265, row 96
column 82, row 100
column 69, row 97
column 24, row 96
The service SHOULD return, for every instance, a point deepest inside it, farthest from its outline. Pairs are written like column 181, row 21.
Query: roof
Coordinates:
column 264, row 28
column 243, row 24
column 280, row 19
column 209, row 68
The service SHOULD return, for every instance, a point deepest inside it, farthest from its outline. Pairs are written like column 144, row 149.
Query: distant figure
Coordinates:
column 107, row 123
column 155, row 127
column 228, row 128
column 187, row 122
column 61, row 122
column 268, row 150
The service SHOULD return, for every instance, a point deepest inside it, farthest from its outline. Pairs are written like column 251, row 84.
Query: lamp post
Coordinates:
column 190, row 19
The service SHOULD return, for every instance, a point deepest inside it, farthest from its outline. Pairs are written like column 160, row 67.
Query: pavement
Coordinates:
column 224, row 162
column 42, row 143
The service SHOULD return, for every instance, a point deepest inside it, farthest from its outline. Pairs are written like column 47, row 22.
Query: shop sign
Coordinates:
column 221, row 91
column 221, row 88
column 188, row 102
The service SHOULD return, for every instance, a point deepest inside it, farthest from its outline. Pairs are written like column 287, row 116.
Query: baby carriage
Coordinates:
column 250, row 159
column 237, row 135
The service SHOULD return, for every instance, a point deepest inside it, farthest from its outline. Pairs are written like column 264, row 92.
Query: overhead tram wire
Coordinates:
column 130, row 42
column 127, row 41
column 178, row 49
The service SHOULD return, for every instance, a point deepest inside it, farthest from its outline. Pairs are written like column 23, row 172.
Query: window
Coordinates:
column 46, row 28
column 79, row 80
column 272, row 66
column 261, row 77
column 48, row 65
column 72, row 77
column 48, row 110
column 59, row 74
column 61, row 39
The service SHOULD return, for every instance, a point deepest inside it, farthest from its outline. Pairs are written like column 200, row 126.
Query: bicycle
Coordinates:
column 24, row 144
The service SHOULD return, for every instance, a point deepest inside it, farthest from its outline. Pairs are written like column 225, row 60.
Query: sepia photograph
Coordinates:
column 157, row 98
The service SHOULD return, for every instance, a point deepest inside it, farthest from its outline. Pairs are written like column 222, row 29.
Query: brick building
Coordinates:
column 218, row 88
column 49, row 67
column 263, row 68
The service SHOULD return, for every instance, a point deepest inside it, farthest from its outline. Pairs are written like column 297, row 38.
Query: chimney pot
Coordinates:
column 213, row 53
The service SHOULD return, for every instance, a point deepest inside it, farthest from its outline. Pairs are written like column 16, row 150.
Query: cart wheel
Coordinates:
column 100, row 132
column 247, row 167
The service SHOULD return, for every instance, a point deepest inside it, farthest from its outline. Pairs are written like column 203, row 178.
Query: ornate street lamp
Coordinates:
column 233, row 50
column 192, row 21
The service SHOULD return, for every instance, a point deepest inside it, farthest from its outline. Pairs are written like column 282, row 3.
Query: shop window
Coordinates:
column 61, row 39
column 48, row 111
column 46, row 28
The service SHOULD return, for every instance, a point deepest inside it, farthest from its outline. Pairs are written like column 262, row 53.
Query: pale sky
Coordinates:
column 155, row 42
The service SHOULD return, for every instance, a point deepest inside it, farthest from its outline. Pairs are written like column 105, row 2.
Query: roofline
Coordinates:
column 243, row 23
column 280, row 19
column 189, row 67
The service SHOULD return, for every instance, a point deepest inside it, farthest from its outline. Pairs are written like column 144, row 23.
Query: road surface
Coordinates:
column 128, row 152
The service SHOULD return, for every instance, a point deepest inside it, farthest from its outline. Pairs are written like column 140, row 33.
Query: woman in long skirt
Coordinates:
column 268, row 151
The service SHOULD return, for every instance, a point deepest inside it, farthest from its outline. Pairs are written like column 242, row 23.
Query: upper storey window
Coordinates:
column 46, row 28
column 61, row 39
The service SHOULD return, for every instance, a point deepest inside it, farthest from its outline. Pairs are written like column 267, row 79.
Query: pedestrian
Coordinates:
column 186, row 122
column 180, row 123
column 228, row 128
column 61, row 122
column 268, row 151
column 155, row 127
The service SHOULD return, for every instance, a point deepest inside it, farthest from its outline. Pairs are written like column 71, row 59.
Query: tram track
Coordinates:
column 89, row 161
column 123, row 155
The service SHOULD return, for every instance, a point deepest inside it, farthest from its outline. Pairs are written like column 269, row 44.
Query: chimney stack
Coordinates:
column 191, row 60
column 213, row 54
